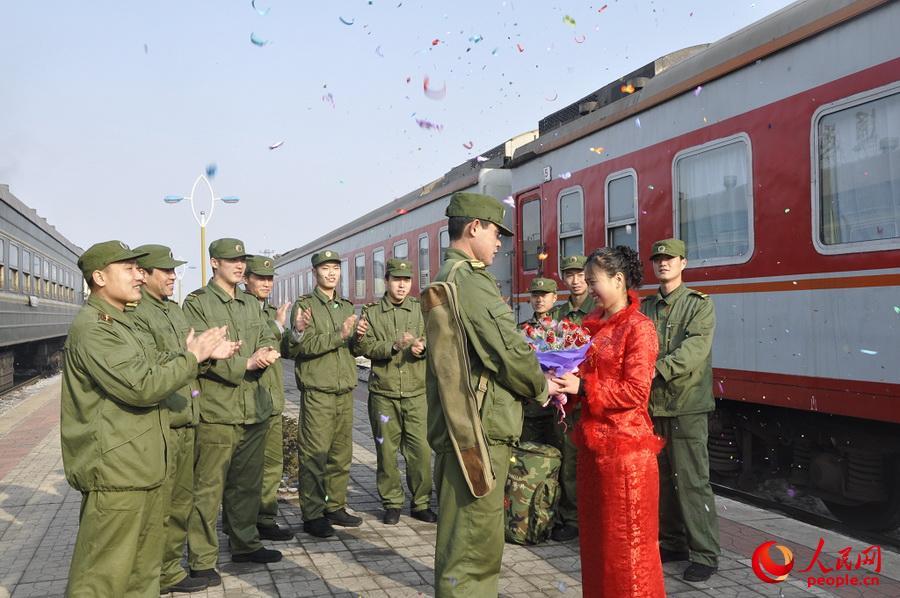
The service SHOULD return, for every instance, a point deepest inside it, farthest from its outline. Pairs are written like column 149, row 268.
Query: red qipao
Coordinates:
column 618, row 478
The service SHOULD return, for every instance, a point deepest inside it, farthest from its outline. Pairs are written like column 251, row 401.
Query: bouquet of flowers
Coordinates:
column 560, row 347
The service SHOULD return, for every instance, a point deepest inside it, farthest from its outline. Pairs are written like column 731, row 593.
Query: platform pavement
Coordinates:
column 39, row 519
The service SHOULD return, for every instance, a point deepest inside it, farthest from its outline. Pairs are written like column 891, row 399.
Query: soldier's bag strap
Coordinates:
column 450, row 365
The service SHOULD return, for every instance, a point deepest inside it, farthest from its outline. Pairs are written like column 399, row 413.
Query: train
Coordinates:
column 774, row 153
column 41, row 290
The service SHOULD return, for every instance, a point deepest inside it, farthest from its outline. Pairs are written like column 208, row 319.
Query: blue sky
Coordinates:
column 109, row 106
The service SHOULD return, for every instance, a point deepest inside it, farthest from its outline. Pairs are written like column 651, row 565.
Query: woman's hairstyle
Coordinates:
column 622, row 259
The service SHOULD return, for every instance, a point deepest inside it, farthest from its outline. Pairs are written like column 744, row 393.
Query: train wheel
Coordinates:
column 873, row 516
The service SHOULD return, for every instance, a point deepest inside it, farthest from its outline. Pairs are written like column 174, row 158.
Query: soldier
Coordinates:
column 113, row 431
column 234, row 416
column 579, row 305
column 680, row 401
column 326, row 376
column 470, row 535
column 165, row 323
column 391, row 334
column 259, row 278
column 538, row 419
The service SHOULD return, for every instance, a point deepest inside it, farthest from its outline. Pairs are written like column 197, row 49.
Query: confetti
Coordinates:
column 512, row 203
column 468, row 145
column 698, row 90
column 897, row 309
column 434, row 94
column 401, row 211
column 637, row 122
column 427, row 124
column 566, row 176
column 346, row 22
column 791, row 492
column 604, row 7
column 262, row 12
column 627, row 88
column 569, row 21
column 868, row 352
column 705, row 506
column 520, row 47
column 379, row 440
column 628, row 229
column 146, row 49
column 435, row 42
column 384, row 418
column 276, row 145
column 579, row 39
column 512, row 459
column 494, row 51
column 328, row 99
column 553, row 99
column 561, row 586
column 651, row 187
column 481, row 158
column 378, row 51
column 452, row 581
column 597, row 150
column 257, row 41
column 211, row 169
column 195, row 394
column 475, row 39
column 542, row 256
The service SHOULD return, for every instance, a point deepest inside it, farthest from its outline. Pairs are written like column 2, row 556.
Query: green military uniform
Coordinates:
column 470, row 538
column 165, row 323
column 326, row 376
column 273, row 380
column 397, row 408
column 680, row 400
column 114, row 441
column 234, row 414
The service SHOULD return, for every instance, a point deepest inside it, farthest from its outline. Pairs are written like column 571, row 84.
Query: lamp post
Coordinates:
column 203, row 217
column 180, row 271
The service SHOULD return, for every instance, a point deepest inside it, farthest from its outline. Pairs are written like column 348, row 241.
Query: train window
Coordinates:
column 715, row 197
column 856, row 155
column 424, row 265
column 2, row 264
column 401, row 250
column 531, row 233
column 13, row 264
column 54, row 285
column 444, row 243
column 621, row 209
column 360, row 276
column 378, row 272
column 26, row 271
column 571, row 223
column 345, row 278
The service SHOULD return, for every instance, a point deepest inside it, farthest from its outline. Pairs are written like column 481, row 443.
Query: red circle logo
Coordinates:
column 765, row 566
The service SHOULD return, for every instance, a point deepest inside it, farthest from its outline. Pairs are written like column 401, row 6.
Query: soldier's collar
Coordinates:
column 388, row 305
column 323, row 297
column 149, row 298
column 673, row 296
column 222, row 295
column 108, row 313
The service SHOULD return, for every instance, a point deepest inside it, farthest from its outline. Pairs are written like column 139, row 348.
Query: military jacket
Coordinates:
column 323, row 360
column 112, row 429
column 495, row 348
column 570, row 312
column 394, row 374
column 273, row 377
column 165, row 323
column 229, row 393
column 685, row 321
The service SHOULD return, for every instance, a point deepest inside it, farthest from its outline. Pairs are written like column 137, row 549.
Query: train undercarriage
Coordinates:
column 26, row 360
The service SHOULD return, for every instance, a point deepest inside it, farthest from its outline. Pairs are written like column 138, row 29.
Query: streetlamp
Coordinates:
column 203, row 218
column 180, row 271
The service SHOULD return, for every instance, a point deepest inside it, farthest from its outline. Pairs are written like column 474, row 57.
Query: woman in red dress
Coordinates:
column 618, row 479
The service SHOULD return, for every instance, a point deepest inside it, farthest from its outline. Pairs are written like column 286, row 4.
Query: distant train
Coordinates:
column 775, row 154
column 41, row 290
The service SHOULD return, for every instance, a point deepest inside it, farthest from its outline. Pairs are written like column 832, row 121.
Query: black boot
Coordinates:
column 188, row 584
column 391, row 516
column 260, row 555
column 343, row 518
column 273, row 532
column 320, row 528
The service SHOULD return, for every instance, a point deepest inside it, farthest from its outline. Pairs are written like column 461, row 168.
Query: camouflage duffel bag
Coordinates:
column 532, row 491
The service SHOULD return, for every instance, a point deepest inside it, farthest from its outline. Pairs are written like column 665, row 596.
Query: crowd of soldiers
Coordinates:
column 172, row 413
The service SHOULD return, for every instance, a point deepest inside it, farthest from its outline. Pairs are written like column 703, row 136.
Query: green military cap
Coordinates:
column 227, row 249
column 482, row 207
column 323, row 257
column 100, row 255
column 542, row 285
column 399, row 268
column 574, row 262
column 260, row 265
column 157, row 256
column 669, row 247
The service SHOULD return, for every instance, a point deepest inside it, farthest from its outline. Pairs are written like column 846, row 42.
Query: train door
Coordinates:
column 530, row 248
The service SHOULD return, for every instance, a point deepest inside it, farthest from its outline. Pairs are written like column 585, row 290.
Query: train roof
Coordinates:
column 31, row 214
column 685, row 70
column 460, row 177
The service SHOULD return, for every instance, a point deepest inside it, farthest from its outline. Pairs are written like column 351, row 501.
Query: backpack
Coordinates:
column 532, row 492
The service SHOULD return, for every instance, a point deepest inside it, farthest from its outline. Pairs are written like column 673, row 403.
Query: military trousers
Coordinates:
column 119, row 545
column 326, row 448
column 470, row 531
column 547, row 430
column 228, row 469
column 401, row 424
column 687, row 508
column 178, row 500
column 273, row 471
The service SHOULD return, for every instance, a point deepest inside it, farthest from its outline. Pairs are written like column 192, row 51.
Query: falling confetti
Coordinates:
column 597, row 150
column 427, row 124
column 579, row 39
column 566, row 176
column 604, row 7
column 787, row 210
column 705, row 506
column 481, row 158
column 195, row 394
column 520, row 47
column 494, row 51
column 628, row 229
column 435, row 41
column 211, row 169
column 378, row 51
column 475, row 39
column 434, row 94
column 261, row 12
column 328, row 99
column 698, row 90
column 384, row 418
column 897, row 309
column 553, row 99
column 257, row 41
column 542, row 256
column 791, row 492
column 651, row 187
column 868, row 352
column 569, row 21
column 637, row 122
column 401, row 211
column 276, row 145
column 627, row 88
column 379, row 440
column 512, row 203
column 468, row 145
column 346, row 22
column 146, row 49
column 512, row 459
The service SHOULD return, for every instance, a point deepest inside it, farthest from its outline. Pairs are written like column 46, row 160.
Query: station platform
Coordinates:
column 39, row 521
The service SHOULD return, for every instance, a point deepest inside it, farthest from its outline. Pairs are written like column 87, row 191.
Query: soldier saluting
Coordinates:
column 113, row 430
column 391, row 334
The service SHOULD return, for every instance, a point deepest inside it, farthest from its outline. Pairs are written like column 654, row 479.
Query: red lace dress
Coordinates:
column 618, row 479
